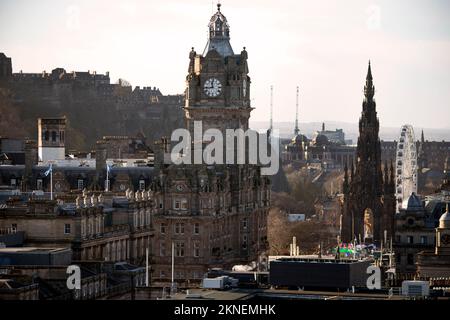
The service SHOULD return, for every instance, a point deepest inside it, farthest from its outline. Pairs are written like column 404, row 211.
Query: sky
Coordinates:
column 321, row 46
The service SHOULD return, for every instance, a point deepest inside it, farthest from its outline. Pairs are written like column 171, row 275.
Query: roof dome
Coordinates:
column 219, row 35
column 321, row 140
column 299, row 139
column 444, row 221
column 413, row 203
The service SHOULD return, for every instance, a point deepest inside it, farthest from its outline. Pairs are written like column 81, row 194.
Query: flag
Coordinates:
column 49, row 170
column 108, row 168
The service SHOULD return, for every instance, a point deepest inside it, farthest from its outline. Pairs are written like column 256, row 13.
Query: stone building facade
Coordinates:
column 95, row 227
column 437, row 264
column 414, row 232
column 215, row 216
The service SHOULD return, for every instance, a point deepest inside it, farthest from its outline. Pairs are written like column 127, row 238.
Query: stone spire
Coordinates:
column 369, row 89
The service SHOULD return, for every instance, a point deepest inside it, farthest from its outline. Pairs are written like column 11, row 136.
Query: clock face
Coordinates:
column 244, row 87
column 212, row 87
column 179, row 187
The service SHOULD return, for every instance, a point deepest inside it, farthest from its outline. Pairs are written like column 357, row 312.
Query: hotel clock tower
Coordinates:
column 217, row 84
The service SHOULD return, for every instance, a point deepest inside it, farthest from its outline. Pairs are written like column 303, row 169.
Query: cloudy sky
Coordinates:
column 322, row 46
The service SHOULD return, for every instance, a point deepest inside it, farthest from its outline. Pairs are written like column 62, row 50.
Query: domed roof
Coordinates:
column 444, row 221
column 414, row 203
column 299, row 138
column 321, row 140
column 219, row 35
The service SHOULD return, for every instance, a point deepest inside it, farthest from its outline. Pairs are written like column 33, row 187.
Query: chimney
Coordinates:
column 100, row 161
column 31, row 159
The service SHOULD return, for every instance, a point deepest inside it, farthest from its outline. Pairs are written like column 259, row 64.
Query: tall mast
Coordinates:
column 271, row 109
column 296, row 130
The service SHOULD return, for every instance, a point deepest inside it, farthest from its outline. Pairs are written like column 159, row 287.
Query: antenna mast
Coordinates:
column 296, row 131
column 271, row 109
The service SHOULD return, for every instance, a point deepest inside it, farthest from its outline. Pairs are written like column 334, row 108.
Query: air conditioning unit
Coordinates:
column 416, row 288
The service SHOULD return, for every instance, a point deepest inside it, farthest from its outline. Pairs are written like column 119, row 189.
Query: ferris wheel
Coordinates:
column 406, row 167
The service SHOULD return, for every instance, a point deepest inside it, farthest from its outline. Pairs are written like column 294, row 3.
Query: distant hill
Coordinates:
column 350, row 129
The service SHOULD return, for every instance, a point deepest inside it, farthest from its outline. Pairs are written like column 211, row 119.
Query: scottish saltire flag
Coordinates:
column 108, row 168
column 49, row 170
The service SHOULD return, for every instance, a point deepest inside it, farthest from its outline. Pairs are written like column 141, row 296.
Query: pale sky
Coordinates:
column 322, row 46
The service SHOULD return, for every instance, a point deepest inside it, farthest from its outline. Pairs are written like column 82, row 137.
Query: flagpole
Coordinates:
column 107, row 178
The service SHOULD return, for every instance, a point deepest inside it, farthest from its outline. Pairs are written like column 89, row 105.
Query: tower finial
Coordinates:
column 218, row 5
column 369, row 89
column 369, row 73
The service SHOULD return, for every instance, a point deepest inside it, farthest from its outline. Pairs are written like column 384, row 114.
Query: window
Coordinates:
column 141, row 185
column 244, row 223
column 410, row 239
column 179, row 249
column 410, row 259
column 162, row 274
column 46, row 136
column 196, row 249
column 162, row 249
column 160, row 205
column 162, row 228
column 13, row 182
column 244, row 242
column 196, row 228
column 398, row 239
column 423, row 239
column 14, row 227
column 39, row 184
column 179, row 228
column 80, row 183
column 53, row 136
column 180, row 204
column 399, row 258
column 67, row 228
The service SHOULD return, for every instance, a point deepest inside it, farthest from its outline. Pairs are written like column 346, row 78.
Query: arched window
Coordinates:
column 53, row 136
column 46, row 135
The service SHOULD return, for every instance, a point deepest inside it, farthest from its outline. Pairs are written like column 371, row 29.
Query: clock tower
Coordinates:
column 217, row 85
